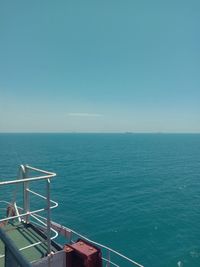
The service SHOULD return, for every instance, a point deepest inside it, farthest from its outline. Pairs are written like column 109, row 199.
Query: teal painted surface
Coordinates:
column 139, row 193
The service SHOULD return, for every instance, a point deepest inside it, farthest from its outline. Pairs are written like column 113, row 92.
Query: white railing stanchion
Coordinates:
column 48, row 217
column 108, row 259
column 26, row 194
column 25, row 213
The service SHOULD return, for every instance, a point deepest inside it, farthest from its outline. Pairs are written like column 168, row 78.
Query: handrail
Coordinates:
column 30, row 212
column 26, row 212
column 108, row 249
column 12, row 254
column 26, row 180
column 30, row 179
column 51, row 226
column 39, row 170
column 69, row 231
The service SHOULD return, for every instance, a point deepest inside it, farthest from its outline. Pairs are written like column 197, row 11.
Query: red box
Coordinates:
column 85, row 254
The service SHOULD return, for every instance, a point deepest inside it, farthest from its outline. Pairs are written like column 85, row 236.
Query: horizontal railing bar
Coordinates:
column 37, row 194
column 109, row 249
column 23, row 214
column 35, row 217
column 27, row 179
column 4, row 201
column 47, row 176
column 39, row 170
column 102, row 246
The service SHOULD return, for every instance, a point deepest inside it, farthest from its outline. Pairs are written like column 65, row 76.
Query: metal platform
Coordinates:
column 25, row 237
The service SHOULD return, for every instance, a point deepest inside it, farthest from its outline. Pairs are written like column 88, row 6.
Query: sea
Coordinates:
column 137, row 193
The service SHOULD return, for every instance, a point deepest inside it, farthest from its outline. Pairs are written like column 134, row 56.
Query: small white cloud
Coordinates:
column 80, row 114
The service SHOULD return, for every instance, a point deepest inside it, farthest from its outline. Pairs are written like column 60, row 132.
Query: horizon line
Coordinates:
column 96, row 132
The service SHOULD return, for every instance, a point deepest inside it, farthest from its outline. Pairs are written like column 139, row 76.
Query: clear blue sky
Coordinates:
column 100, row 66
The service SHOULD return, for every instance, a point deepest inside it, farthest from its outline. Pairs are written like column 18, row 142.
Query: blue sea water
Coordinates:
column 138, row 193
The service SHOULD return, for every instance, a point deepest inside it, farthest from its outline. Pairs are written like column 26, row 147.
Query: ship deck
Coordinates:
column 24, row 235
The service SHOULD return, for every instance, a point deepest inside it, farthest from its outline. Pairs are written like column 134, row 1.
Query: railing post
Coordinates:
column 26, row 205
column 108, row 259
column 48, row 217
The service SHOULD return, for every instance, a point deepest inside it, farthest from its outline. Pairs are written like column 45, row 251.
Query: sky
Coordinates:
column 100, row 66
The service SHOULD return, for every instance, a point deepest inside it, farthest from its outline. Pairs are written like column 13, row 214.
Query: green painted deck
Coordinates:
column 24, row 235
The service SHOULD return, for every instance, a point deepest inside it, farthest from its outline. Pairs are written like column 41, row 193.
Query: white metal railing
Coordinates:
column 71, row 234
column 25, row 212
column 109, row 252
column 45, row 223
